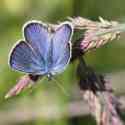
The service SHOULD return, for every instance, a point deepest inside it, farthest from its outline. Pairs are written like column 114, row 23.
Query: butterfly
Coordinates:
column 42, row 51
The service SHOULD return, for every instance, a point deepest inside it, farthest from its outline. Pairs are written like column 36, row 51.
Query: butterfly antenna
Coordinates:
column 59, row 84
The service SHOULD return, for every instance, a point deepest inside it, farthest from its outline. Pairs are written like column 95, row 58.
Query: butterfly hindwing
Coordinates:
column 23, row 58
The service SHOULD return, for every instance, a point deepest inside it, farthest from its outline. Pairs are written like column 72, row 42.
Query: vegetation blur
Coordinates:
column 45, row 103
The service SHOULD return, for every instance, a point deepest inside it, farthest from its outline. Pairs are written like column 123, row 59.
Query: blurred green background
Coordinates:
column 45, row 104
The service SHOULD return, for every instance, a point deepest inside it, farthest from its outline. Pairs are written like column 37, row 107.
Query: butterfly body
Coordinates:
column 42, row 52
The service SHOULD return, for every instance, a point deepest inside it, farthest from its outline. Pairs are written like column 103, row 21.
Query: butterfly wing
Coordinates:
column 36, row 34
column 61, row 48
column 34, row 56
column 23, row 58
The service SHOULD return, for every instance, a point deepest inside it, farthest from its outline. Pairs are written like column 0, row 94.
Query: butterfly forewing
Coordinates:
column 61, row 52
column 36, row 34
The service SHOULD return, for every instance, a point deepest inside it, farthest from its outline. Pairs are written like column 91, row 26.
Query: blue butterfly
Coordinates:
column 43, row 51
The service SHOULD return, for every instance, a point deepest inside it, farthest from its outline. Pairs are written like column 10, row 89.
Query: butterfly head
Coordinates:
column 49, row 76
